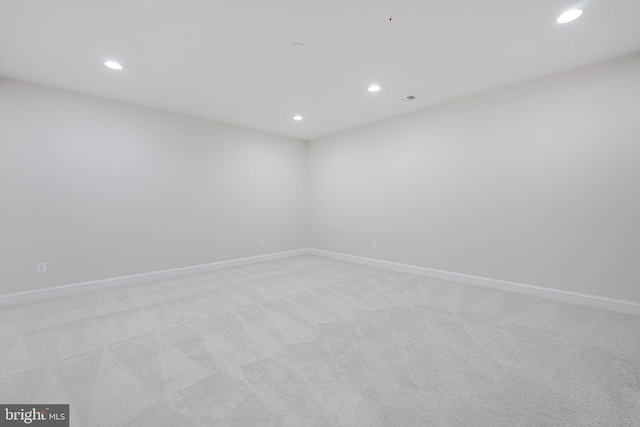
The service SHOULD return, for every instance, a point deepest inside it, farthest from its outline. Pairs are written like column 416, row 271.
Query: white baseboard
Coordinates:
column 606, row 303
column 596, row 301
column 114, row 282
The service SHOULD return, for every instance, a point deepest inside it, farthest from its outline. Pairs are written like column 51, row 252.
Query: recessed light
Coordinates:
column 113, row 65
column 569, row 16
column 374, row 88
column 299, row 47
column 298, row 117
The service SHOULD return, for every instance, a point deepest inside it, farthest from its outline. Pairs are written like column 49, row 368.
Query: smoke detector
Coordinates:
column 407, row 98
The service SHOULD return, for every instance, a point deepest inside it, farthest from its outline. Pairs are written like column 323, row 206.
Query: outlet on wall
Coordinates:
column 261, row 242
column 41, row 267
column 373, row 244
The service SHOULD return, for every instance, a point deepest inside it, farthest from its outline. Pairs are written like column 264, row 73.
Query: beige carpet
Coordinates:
column 309, row 341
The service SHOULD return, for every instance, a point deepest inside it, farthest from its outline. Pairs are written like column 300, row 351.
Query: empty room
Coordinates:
column 289, row 213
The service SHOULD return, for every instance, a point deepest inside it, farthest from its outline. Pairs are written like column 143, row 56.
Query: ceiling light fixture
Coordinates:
column 298, row 117
column 569, row 16
column 113, row 65
column 374, row 88
column 299, row 47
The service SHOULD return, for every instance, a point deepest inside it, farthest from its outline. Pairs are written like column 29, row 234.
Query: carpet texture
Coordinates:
column 310, row 341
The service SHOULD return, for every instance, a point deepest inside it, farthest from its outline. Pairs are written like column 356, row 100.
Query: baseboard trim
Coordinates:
column 596, row 301
column 114, row 282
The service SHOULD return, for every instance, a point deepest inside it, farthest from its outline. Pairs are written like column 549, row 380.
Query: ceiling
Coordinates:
column 231, row 60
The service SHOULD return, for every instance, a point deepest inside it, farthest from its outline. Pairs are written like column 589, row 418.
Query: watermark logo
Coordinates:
column 34, row 415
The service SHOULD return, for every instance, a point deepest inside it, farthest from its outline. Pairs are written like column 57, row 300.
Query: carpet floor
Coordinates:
column 311, row 341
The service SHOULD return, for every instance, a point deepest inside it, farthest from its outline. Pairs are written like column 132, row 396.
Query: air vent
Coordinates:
column 407, row 98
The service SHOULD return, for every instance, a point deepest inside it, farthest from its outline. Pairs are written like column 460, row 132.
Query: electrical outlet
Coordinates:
column 261, row 242
column 373, row 244
column 41, row 267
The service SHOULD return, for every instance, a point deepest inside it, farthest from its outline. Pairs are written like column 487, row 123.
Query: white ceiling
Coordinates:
column 231, row 61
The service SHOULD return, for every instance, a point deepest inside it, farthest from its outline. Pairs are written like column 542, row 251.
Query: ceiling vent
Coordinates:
column 407, row 98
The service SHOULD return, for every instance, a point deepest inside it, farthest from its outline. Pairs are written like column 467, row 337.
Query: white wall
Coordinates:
column 100, row 189
column 537, row 183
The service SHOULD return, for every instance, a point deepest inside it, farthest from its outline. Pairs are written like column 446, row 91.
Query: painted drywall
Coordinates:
column 537, row 183
column 101, row 189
